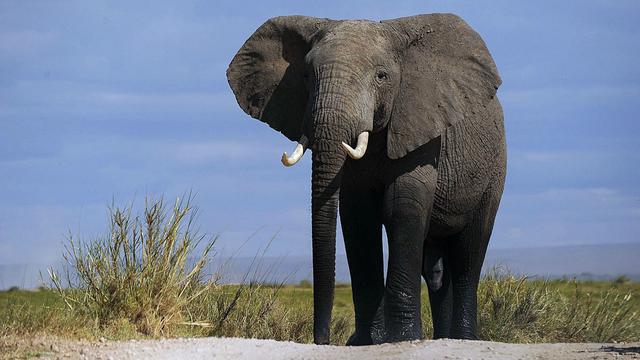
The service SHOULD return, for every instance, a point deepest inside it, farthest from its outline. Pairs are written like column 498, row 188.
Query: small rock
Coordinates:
column 102, row 340
column 54, row 348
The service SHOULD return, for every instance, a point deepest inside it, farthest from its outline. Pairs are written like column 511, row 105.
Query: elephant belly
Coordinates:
column 472, row 163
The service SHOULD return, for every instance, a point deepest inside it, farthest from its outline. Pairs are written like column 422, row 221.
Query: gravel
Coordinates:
column 235, row 348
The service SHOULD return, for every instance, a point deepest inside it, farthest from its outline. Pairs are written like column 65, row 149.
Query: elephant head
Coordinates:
column 328, row 84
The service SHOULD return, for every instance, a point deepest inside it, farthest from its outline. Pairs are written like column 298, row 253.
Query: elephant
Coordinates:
column 406, row 134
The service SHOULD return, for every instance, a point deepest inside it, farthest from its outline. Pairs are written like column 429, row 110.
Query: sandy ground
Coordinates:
column 234, row 348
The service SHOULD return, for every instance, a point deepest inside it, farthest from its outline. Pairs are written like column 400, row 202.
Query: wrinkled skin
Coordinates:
column 433, row 173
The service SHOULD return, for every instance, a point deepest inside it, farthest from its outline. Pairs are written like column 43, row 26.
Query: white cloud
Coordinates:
column 514, row 233
column 205, row 99
column 569, row 96
column 57, row 96
column 14, row 44
column 125, row 151
column 601, row 200
column 35, row 233
column 200, row 153
column 561, row 216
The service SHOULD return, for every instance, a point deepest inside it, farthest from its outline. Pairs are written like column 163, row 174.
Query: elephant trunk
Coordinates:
column 334, row 118
column 327, row 161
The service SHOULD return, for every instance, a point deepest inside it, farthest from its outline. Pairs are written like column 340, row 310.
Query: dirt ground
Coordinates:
column 234, row 348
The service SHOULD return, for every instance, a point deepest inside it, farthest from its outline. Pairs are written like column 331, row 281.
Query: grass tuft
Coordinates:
column 514, row 308
column 141, row 272
column 605, row 317
column 518, row 309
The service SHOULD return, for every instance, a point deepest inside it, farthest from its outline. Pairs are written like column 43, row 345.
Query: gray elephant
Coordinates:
column 417, row 97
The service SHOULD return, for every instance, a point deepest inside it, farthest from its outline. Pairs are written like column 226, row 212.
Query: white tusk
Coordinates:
column 361, row 147
column 297, row 153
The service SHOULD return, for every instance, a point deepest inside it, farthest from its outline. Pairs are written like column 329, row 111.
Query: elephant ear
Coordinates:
column 267, row 73
column 447, row 75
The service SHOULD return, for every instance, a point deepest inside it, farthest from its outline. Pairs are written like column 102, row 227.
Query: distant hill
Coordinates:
column 585, row 262
column 594, row 262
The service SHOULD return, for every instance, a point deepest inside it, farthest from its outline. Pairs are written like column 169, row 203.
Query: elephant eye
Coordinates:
column 382, row 75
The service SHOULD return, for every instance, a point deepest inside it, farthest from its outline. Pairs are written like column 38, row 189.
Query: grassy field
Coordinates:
column 511, row 310
column 143, row 279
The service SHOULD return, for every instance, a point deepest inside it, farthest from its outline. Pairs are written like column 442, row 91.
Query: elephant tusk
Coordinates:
column 297, row 153
column 361, row 147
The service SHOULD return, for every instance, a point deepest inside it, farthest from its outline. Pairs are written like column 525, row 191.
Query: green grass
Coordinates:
column 511, row 309
column 515, row 309
column 140, row 281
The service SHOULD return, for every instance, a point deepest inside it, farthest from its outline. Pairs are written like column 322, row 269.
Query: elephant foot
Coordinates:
column 369, row 335
column 359, row 338
column 464, row 334
column 397, row 332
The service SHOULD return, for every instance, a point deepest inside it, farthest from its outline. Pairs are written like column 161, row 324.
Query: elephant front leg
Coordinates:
column 408, row 203
column 360, row 216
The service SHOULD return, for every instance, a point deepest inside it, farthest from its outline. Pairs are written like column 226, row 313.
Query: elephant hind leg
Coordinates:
column 467, row 251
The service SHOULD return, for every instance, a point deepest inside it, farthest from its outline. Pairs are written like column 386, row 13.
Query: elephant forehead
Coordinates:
column 352, row 39
column 354, row 32
column 355, row 27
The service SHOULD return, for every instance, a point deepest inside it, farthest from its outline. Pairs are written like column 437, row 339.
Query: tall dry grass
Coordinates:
column 605, row 317
column 517, row 309
column 140, row 278
column 141, row 271
column 255, row 310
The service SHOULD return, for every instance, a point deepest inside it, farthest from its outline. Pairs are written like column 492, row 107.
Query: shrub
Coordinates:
column 515, row 309
column 605, row 317
column 621, row 280
column 141, row 271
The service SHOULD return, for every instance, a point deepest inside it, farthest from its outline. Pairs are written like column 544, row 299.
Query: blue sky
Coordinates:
column 103, row 100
